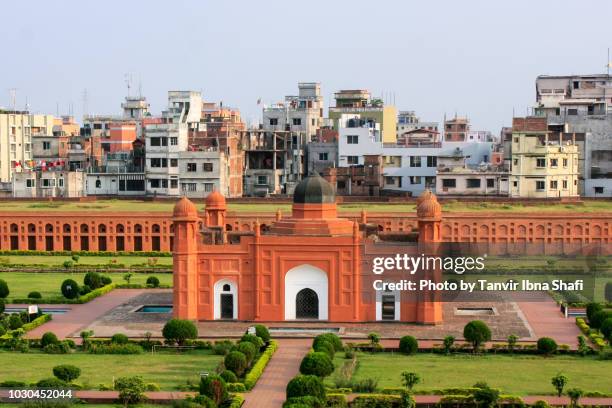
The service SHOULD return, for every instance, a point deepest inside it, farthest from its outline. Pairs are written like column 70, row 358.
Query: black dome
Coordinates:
column 314, row 190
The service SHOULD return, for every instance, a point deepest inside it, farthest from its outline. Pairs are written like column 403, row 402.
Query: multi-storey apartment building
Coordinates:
column 544, row 164
column 49, row 183
column 408, row 123
column 456, row 129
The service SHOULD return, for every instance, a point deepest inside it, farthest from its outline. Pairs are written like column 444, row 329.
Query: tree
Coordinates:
column 66, row 372
column 75, row 258
column 2, row 306
column 599, row 317
column 152, row 282
column 47, row 339
column 330, row 337
column 546, row 345
column 14, row 322
column 606, row 329
column 85, row 335
column 448, row 344
column 559, row 381
column 127, row 277
column 248, row 349
column 131, row 390
column 485, row 396
column 318, row 364
column 213, row 387
column 178, row 331
column 512, row 339
column 93, row 280
column 70, row 289
column 4, row 289
column 410, row 379
column 306, row 385
column 593, row 308
column 374, row 338
column 262, row 332
column 408, row 345
column 575, row 394
column 236, row 361
column 68, row 264
column 476, row 332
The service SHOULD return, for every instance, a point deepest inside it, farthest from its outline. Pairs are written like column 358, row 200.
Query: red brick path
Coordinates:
column 546, row 320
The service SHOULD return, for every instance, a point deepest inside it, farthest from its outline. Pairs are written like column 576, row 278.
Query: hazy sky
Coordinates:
column 478, row 58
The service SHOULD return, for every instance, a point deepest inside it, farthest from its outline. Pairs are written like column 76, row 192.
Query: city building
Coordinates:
column 361, row 180
column 48, row 184
column 454, row 176
column 456, row 129
column 573, row 95
column 360, row 102
column 408, row 122
column 544, row 164
column 321, row 155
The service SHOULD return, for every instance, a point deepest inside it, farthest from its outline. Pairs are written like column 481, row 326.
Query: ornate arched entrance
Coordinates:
column 306, row 293
column 306, row 304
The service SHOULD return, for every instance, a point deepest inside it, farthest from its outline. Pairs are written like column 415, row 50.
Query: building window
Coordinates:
column 540, row 162
column 173, row 162
column 31, row 183
column 173, row 141
column 188, row 186
column 164, row 183
column 297, row 121
column 154, row 141
column 572, row 112
column 553, row 184
column 415, row 179
column 208, row 187
column 192, row 168
column 415, row 161
column 432, row 161
column 565, row 184
column 390, row 180
column 46, row 145
column 323, row 156
column 47, row 183
column 352, row 159
column 540, row 185
column 341, row 184
column 516, row 140
column 430, row 182
column 352, row 139
column 173, row 183
column 60, row 182
column 490, row 183
column 273, row 121
column 515, row 184
column 449, row 183
column 472, row 183
column 154, row 183
column 564, row 162
column 515, row 162
column 207, row 167
column 598, row 190
column 554, row 162
column 262, row 180
column 98, row 183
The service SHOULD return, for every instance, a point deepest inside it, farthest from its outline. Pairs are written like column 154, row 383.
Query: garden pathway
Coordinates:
column 269, row 392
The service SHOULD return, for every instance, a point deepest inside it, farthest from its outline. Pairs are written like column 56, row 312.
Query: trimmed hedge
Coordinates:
column 336, row 401
column 237, row 401
column 377, row 401
column 258, row 368
column 235, row 387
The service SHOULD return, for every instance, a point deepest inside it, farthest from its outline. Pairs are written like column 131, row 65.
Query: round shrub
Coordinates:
column 2, row 306
column 599, row 317
column 325, row 347
column 248, row 349
column 93, row 280
column 178, row 331
column 34, row 295
column 262, row 332
column 257, row 341
column 66, row 372
column 236, row 361
column 318, row 364
column 51, row 383
column 4, row 289
column 14, row 322
column 229, row 376
column 106, row 280
column 606, row 329
column 119, row 338
column 408, row 345
column 546, row 345
column 593, row 308
column 85, row 289
column 306, row 385
column 213, row 387
column 49, row 338
column 540, row 404
column 313, row 402
column 153, row 282
column 477, row 332
column 70, row 289
column 330, row 337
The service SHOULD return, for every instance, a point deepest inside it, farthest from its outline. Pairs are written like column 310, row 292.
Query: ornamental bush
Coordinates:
column 330, row 337
column 325, row 347
column 51, row 382
column 93, row 280
column 477, row 332
column 318, row 364
column 85, row 289
column 153, row 282
column 34, row 295
column 70, row 289
column 593, row 308
column 408, row 345
column 202, row 401
column 48, row 338
column 237, row 362
column 248, row 349
column 14, row 322
column 229, row 376
column 306, row 385
column 66, row 372
column 131, row 389
column 262, row 332
column 304, row 402
column 546, row 345
column 178, row 331
column 2, row 306
column 257, row 341
column 119, row 338
column 106, row 280
column 4, row 289
column 606, row 329
column 222, row 347
column 599, row 317
column 213, row 387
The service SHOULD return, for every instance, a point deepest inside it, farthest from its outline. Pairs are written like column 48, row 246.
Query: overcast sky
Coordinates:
column 476, row 58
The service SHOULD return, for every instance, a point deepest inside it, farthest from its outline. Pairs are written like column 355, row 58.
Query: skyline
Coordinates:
column 240, row 54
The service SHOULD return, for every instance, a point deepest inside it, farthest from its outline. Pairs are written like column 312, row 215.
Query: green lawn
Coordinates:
column 48, row 284
column 58, row 260
column 521, row 375
column 166, row 369
column 266, row 207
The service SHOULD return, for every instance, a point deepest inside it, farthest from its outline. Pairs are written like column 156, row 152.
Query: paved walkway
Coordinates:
column 80, row 316
column 269, row 392
column 546, row 320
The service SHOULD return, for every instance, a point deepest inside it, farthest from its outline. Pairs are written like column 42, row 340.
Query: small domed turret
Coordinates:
column 428, row 205
column 184, row 208
column 215, row 201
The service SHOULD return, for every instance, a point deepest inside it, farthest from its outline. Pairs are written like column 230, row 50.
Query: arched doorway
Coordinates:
column 226, row 300
column 306, row 304
column 306, row 293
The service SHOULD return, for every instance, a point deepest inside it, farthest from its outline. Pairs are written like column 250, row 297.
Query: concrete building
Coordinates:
column 321, row 155
column 456, row 129
column 569, row 94
column 408, row 121
column 17, row 128
column 202, row 172
column 122, row 174
column 454, row 176
column 360, row 102
column 544, row 165
column 48, row 183
column 362, row 180
column 302, row 113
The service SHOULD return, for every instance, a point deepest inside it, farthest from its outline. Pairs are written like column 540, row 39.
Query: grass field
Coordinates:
column 520, row 375
column 48, row 284
column 167, row 369
column 166, row 206
column 58, row 260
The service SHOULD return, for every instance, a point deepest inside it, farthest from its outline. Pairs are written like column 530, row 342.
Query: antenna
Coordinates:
column 128, row 82
column 13, row 98
column 85, row 102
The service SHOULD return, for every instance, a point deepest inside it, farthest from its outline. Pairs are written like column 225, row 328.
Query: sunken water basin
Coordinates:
column 154, row 309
